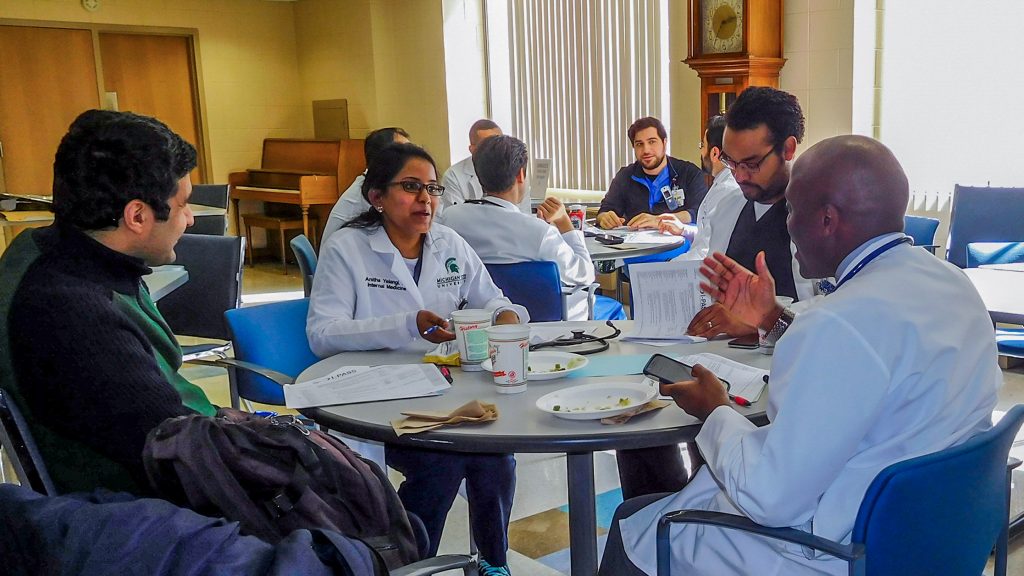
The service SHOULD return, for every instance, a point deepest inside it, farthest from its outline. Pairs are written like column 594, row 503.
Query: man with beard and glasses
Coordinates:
column 763, row 128
column 655, row 184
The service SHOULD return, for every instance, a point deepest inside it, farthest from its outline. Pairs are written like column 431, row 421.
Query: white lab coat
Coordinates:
column 364, row 297
column 721, row 221
column 461, row 184
column 349, row 205
column 897, row 363
column 501, row 234
column 724, row 186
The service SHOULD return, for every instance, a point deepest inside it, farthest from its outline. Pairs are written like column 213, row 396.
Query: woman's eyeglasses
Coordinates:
column 414, row 187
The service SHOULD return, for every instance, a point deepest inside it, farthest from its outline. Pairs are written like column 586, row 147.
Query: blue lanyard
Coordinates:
column 878, row 252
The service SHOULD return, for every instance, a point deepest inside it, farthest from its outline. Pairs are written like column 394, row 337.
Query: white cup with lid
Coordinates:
column 470, row 337
column 510, row 351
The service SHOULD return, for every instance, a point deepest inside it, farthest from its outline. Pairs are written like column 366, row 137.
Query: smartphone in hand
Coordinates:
column 669, row 370
column 748, row 342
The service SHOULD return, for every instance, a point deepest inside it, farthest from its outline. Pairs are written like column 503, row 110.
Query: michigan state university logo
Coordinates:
column 451, row 266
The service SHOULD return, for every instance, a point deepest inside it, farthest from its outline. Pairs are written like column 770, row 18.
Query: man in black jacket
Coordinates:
column 654, row 184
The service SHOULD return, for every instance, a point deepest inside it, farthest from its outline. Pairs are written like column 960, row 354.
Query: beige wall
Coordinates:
column 818, row 47
column 386, row 57
column 247, row 62
column 684, row 87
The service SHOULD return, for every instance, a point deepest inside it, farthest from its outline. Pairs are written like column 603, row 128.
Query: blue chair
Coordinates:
column 940, row 513
column 922, row 230
column 538, row 287
column 269, row 336
column 305, row 256
column 984, row 253
column 20, row 448
column 983, row 214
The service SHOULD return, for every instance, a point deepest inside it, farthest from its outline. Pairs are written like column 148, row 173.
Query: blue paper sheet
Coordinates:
column 600, row 365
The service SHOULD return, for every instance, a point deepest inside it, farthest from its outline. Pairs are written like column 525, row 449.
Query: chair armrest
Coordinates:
column 278, row 377
column 435, row 565
column 848, row 552
column 1012, row 463
column 930, row 247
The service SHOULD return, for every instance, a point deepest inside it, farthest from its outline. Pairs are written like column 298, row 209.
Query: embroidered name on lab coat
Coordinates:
column 454, row 280
column 386, row 283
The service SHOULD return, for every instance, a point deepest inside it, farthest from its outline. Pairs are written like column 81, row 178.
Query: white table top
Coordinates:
column 1002, row 290
column 164, row 280
column 522, row 427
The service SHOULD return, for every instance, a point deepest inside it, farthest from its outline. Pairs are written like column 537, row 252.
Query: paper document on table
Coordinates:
column 355, row 384
column 666, row 296
column 651, row 237
column 744, row 381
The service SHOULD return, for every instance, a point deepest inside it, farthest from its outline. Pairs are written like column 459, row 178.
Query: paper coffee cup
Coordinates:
column 469, row 326
column 509, row 350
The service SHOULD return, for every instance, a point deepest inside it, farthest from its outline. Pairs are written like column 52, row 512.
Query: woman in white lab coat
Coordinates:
column 387, row 280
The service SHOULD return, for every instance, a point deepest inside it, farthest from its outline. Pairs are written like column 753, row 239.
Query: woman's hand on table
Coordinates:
column 698, row 397
column 432, row 327
column 507, row 317
column 715, row 320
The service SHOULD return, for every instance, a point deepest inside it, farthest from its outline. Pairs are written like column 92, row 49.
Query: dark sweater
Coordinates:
column 91, row 361
column 627, row 197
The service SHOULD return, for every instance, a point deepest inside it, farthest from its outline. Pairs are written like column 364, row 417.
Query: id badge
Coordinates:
column 680, row 195
column 670, row 199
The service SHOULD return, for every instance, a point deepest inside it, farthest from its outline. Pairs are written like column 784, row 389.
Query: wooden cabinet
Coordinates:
column 733, row 44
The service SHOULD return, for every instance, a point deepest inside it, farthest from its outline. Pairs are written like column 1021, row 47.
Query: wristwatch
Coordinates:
column 780, row 326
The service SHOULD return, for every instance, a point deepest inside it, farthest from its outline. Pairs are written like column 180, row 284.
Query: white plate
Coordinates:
column 542, row 365
column 593, row 401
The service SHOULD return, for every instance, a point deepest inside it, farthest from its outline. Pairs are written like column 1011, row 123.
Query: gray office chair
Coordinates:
column 215, row 196
column 214, row 265
column 20, row 448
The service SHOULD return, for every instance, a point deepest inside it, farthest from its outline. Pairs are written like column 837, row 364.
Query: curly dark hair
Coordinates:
column 643, row 124
column 383, row 169
column 107, row 159
column 779, row 111
column 497, row 161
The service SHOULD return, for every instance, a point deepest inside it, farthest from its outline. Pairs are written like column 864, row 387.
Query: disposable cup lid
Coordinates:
column 509, row 331
column 471, row 315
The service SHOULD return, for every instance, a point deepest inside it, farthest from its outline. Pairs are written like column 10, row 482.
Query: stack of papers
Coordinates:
column 744, row 381
column 355, row 384
column 666, row 296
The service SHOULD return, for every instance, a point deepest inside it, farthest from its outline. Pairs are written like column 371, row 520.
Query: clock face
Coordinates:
column 721, row 26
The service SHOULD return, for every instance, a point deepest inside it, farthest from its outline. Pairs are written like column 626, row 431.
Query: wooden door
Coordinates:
column 152, row 75
column 47, row 78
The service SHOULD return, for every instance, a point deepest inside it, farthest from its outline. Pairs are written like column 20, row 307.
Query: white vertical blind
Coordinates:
column 575, row 75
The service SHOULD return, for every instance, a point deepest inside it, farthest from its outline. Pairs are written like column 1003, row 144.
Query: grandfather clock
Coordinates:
column 733, row 44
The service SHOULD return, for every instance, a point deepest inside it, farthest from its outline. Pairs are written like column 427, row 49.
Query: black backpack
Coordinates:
column 273, row 476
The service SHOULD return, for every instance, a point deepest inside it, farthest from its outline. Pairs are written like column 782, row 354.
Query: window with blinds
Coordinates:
column 568, row 77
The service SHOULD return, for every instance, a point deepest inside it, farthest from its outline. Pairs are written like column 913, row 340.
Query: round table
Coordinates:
column 521, row 427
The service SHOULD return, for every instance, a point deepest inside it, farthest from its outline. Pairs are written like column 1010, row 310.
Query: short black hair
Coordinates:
column 480, row 125
column 714, row 132
column 779, row 111
column 385, row 166
column 380, row 139
column 107, row 159
column 497, row 161
column 643, row 124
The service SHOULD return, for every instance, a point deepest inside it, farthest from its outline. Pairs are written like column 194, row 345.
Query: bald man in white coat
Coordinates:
column 882, row 370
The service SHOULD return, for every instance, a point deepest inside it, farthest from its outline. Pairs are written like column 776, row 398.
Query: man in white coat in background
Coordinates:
column 724, row 187
column 880, row 371
column 501, row 234
column 351, row 204
column 461, row 182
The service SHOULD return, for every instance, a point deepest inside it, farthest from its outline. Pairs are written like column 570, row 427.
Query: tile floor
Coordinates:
column 539, row 531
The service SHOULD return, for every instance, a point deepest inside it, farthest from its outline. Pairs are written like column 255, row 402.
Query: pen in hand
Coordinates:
column 448, row 320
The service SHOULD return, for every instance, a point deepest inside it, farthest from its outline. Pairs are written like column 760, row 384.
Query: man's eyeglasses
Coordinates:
column 414, row 187
column 749, row 167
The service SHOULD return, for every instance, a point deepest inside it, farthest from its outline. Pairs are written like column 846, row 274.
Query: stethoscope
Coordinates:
column 580, row 338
